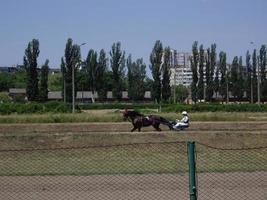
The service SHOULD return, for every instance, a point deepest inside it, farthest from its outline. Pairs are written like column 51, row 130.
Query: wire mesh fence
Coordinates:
column 136, row 171
column 231, row 174
column 133, row 171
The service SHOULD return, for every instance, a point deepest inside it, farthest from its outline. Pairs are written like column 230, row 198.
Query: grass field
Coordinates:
column 116, row 116
column 79, row 152
column 130, row 159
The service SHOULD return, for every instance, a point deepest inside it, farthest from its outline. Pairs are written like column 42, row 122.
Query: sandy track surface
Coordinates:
column 126, row 127
column 219, row 186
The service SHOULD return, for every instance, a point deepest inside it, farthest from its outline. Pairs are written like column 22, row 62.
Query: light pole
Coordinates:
column 73, row 82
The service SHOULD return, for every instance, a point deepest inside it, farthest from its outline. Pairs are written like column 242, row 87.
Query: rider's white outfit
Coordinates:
column 184, row 123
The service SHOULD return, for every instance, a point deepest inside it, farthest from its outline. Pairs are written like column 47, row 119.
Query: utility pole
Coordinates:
column 73, row 82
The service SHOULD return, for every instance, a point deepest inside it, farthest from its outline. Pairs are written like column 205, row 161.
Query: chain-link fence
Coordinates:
column 231, row 174
column 133, row 171
column 136, row 171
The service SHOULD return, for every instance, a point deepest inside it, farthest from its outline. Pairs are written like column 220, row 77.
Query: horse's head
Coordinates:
column 130, row 114
column 125, row 114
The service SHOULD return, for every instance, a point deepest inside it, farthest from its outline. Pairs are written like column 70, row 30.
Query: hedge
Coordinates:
column 216, row 108
column 60, row 107
column 34, row 107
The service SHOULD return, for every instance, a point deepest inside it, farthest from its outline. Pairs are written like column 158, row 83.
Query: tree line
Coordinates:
column 101, row 73
column 212, row 76
column 115, row 71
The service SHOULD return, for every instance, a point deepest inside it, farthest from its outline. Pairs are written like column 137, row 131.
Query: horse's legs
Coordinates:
column 156, row 126
column 139, row 129
column 133, row 129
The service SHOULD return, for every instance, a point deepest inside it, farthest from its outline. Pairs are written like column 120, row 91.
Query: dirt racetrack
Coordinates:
column 219, row 186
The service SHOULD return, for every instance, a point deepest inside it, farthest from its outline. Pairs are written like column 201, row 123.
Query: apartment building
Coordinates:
column 181, row 72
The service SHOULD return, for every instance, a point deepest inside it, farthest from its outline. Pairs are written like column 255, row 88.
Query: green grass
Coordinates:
column 131, row 159
column 116, row 116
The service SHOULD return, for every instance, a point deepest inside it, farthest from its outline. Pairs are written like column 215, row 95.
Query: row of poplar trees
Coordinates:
column 212, row 77
column 94, row 73
column 35, row 90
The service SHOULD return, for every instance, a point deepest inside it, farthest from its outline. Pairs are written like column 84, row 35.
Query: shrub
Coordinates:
column 34, row 107
column 4, row 98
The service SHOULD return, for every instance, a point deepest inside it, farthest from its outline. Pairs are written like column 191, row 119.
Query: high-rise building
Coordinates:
column 181, row 73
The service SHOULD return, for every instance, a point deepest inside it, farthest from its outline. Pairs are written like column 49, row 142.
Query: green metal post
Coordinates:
column 192, row 170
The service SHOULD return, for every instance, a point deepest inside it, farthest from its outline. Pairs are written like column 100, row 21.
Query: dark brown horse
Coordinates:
column 139, row 120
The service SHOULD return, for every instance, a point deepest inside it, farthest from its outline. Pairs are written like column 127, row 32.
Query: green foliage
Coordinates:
column 223, row 71
column 4, row 98
column 215, row 108
column 6, row 81
column 55, row 82
column 19, row 79
column 119, row 106
column 262, row 67
column 194, row 66
column 200, row 85
column 54, row 107
column 101, row 85
column 43, row 93
column 30, row 63
column 234, row 77
column 166, row 88
column 71, row 60
column 254, row 74
column 156, row 60
column 136, row 78
column 240, row 80
column 181, row 93
column 248, row 78
column 211, row 63
column 91, row 69
column 117, row 63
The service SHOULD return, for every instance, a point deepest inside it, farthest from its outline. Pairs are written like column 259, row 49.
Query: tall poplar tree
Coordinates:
column 254, row 74
column 223, row 72
column 208, row 75
column 194, row 66
column 200, row 85
column 166, row 88
column 155, row 67
column 91, row 71
column 136, row 79
column 30, row 64
column 44, row 82
column 71, row 61
column 117, row 62
column 101, row 75
column 210, row 71
column 248, row 82
column 262, row 66
column 240, row 80
column 234, row 77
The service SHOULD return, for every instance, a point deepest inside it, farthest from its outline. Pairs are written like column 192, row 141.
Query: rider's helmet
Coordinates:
column 184, row 113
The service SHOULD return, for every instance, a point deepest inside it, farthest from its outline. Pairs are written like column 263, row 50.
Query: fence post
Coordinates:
column 192, row 170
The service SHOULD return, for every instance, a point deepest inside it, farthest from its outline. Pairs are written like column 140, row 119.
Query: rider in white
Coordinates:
column 184, row 123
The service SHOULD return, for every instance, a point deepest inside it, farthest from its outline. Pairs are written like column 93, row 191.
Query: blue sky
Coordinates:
column 231, row 24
